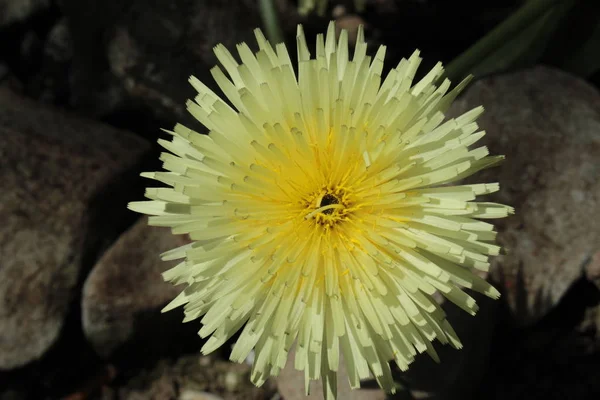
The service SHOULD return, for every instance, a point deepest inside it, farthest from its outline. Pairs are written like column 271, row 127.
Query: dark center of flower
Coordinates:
column 328, row 199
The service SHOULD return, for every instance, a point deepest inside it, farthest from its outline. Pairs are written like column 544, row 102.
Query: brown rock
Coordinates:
column 55, row 211
column 124, row 293
column 547, row 123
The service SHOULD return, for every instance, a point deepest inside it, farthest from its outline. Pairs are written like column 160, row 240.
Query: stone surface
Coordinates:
column 18, row 10
column 65, row 182
column 592, row 269
column 547, row 123
column 124, row 293
column 51, row 82
column 196, row 395
column 591, row 321
column 186, row 378
column 139, row 55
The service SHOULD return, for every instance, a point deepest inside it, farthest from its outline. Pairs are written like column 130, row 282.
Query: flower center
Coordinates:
column 328, row 206
column 328, row 199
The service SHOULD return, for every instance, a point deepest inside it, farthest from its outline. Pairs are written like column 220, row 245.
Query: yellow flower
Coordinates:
column 320, row 210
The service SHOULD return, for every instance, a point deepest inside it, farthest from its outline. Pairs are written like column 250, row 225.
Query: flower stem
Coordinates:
column 271, row 21
column 523, row 17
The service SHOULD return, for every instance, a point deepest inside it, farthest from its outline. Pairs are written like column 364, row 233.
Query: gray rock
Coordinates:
column 591, row 320
column 196, row 395
column 51, row 83
column 592, row 269
column 547, row 123
column 139, row 54
column 65, row 185
column 12, row 11
column 186, row 378
column 124, row 293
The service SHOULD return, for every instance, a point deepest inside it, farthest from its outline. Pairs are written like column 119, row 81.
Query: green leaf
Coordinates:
column 522, row 47
column 518, row 41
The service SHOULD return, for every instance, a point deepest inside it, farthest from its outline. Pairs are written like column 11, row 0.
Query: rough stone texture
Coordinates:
column 591, row 320
column 124, row 293
column 592, row 269
column 139, row 55
column 547, row 123
column 195, row 395
column 55, row 170
column 18, row 10
column 190, row 377
column 51, row 83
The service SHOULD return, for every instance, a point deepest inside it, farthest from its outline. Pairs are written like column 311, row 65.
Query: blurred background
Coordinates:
column 86, row 85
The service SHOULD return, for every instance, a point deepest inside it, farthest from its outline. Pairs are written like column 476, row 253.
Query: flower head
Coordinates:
column 320, row 210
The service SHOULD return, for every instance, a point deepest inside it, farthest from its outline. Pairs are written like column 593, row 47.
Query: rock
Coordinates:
column 12, row 11
column 51, row 83
column 195, row 395
column 59, row 46
column 139, row 55
column 124, row 293
column 590, row 324
column 65, row 185
column 231, row 381
column 592, row 269
column 547, row 123
column 290, row 383
column 185, row 379
column 350, row 23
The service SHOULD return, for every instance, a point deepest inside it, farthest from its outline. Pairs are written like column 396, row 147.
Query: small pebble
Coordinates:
column 232, row 381
column 204, row 361
column 188, row 394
